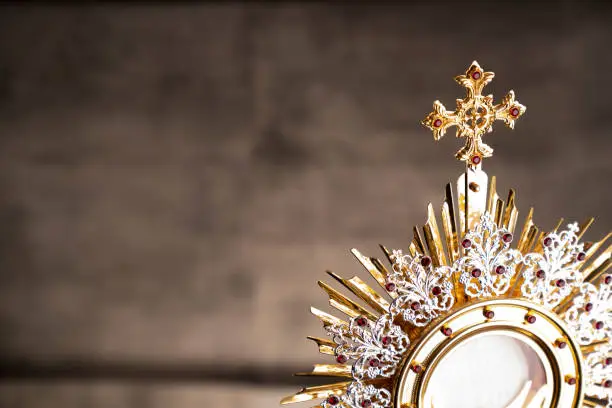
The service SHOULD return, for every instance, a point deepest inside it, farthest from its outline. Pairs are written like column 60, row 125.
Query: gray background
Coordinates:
column 174, row 179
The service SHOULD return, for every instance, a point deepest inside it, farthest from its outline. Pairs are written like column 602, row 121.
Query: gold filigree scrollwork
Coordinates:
column 474, row 115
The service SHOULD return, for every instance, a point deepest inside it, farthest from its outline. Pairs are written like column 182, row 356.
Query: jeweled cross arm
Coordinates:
column 474, row 115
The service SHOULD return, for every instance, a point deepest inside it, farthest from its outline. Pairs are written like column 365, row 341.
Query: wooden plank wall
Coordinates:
column 174, row 179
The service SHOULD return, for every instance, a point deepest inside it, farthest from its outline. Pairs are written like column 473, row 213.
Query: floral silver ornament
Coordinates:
column 489, row 263
column 359, row 396
column 590, row 316
column 376, row 348
column 549, row 277
column 424, row 291
column 597, row 374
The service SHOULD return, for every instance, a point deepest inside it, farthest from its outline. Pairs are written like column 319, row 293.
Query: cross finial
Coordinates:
column 474, row 115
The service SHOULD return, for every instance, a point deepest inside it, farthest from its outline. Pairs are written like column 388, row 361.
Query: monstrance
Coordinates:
column 475, row 308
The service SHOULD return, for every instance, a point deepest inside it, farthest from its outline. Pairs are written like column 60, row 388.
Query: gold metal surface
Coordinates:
column 319, row 391
column 326, row 318
column 510, row 213
column 449, row 225
column 325, row 346
column 468, row 318
column 344, row 304
column 474, row 115
column 445, row 251
column 525, row 238
column 472, row 204
column 364, row 292
column 599, row 266
column 469, row 323
column 377, row 270
column 418, row 241
column 432, row 238
column 329, row 370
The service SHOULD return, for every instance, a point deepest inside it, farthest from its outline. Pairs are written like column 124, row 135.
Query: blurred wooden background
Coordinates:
column 174, row 179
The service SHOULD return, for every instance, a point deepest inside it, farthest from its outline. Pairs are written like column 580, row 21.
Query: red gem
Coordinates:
column 476, row 273
column 530, row 319
column 607, row 384
column 608, row 361
column 515, row 112
column 333, row 400
column 425, row 261
column 476, row 160
column 608, row 279
column 500, row 270
column 588, row 307
column 447, row 331
column 415, row 306
column 599, row 325
column 541, row 274
column 436, row 290
column 571, row 381
column 416, row 368
column 476, row 75
column 507, row 238
column 466, row 243
column 374, row 362
column 489, row 314
column 581, row 256
column 390, row 287
column 561, row 344
column 547, row 241
column 560, row 283
column 386, row 340
column 361, row 321
column 342, row 359
column 366, row 404
column 437, row 123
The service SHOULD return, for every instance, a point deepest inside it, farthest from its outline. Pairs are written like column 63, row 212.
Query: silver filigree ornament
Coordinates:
column 489, row 263
column 597, row 366
column 376, row 347
column 590, row 316
column 424, row 291
column 549, row 277
column 359, row 395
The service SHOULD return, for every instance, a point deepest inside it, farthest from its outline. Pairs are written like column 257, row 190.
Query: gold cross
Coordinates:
column 474, row 115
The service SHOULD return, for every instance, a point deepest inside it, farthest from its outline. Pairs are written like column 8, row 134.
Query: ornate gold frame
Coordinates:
column 544, row 336
column 549, row 290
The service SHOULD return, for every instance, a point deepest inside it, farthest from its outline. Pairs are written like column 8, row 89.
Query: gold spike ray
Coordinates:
column 418, row 242
column 598, row 267
column 499, row 210
column 325, row 346
column 387, row 253
column 584, row 226
column 326, row 318
column 432, row 238
column 329, row 370
column 372, row 265
column 364, row 292
column 511, row 213
column 527, row 230
column 320, row 391
column 345, row 305
column 449, row 225
column 594, row 247
column 558, row 225
column 493, row 197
